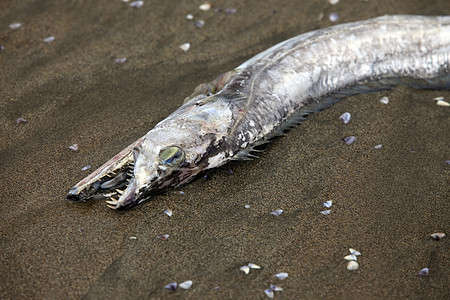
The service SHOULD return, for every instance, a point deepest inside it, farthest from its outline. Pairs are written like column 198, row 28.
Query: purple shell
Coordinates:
column 349, row 140
column 345, row 117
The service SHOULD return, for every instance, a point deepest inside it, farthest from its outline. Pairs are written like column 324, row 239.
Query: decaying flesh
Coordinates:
column 276, row 89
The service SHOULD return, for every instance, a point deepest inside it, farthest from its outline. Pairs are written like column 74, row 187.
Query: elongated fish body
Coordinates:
column 243, row 108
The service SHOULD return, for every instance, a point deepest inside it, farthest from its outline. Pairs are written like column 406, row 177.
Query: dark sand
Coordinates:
column 386, row 201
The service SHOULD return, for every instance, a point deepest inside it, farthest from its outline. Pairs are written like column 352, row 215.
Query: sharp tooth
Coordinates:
column 111, row 206
column 119, row 191
column 112, row 202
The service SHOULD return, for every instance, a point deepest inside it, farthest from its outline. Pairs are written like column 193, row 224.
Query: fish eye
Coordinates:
column 171, row 155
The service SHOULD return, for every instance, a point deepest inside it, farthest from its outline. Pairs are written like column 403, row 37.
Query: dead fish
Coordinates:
column 275, row 90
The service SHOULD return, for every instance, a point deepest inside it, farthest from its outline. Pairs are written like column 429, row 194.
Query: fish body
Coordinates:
column 244, row 108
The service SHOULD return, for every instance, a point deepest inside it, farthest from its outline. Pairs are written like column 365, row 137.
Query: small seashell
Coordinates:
column 384, row 100
column 168, row 212
column 185, row 285
column 277, row 212
column 352, row 265
column 205, row 6
column 269, row 293
column 125, row 1
column 2, row 48
column 189, row 17
column 354, row 252
column 254, row 266
column 171, row 286
column 424, row 272
column 21, row 120
column 136, row 4
column 163, row 237
column 245, row 269
column 437, row 236
column 325, row 212
column 276, row 288
column 333, row 2
column 345, row 117
column 349, row 140
column 230, row 10
column 334, row 17
column 351, row 257
column 133, row 238
column 282, row 275
column 328, row 203
column 247, row 206
column 74, row 147
column 378, row 146
column 85, row 168
column 199, row 23
column 185, row 47
column 49, row 39
column 15, row 25
column 442, row 103
column 120, row 60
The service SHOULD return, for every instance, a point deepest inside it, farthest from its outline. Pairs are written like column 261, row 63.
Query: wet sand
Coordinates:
column 386, row 202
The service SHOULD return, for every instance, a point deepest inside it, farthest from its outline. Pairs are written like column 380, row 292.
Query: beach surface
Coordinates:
column 386, row 202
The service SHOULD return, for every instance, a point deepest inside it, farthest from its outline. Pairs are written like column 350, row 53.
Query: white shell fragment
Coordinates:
column 133, row 238
column 442, row 103
column 437, row 236
column 351, row 257
column 185, row 47
column 245, row 269
column 171, row 286
column 354, row 252
column 85, row 168
column 199, row 23
column 277, row 212
column 74, row 147
column 334, row 17
column 276, row 288
column 247, row 206
column 21, row 120
column 163, row 237
column 15, row 25
column 254, row 266
column 384, row 100
column 352, row 265
column 282, row 275
column 333, row 2
column 345, row 117
column 269, row 293
column 185, row 285
column 325, row 212
column 349, row 140
column 205, row 6
column 49, row 39
column 328, row 203
column 424, row 272
column 168, row 212
column 136, row 4
column 189, row 17
column 120, row 60
column 378, row 146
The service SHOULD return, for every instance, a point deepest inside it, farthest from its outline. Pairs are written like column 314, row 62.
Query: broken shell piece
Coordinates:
column 133, row 238
column 442, row 103
column 345, row 117
column 352, row 265
column 245, row 269
column 333, row 2
column 15, row 25
column 85, row 168
column 21, row 120
column 205, row 6
column 171, row 286
column 49, row 39
column 437, row 236
column 168, row 212
column 378, row 146
column 230, row 10
column 328, row 203
column 199, row 23
column 189, row 17
column 351, row 257
column 247, row 206
column 424, row 272
column 384, row 100
column 163, row 237
column 349, row 140
column 74, row 147
column 120, row 60
column 185, row 285
column 136, row 4
column 254, row 266
column 354, row 252
column 269, row 293
column 282, row 275
column 277, row 212
column 276, row 288
column 185, row 47
column 325, row 212
column 334, row 17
